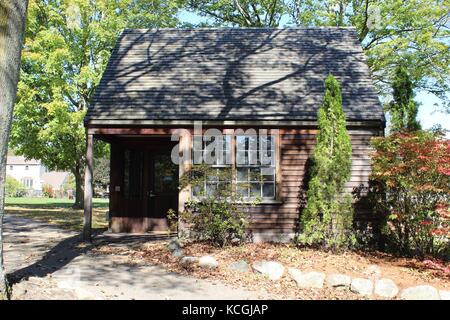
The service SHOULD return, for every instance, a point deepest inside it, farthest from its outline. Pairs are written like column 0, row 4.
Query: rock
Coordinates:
column 373, row 271
column 178, row 253
column 386, row 288
column 424, row 292
column 295, row 274
column 208, row 262
column 336, row 280
column 273, row 270
column 188, row 260
column 241, row 266
column 445, row 295
column 362, row 286
column 307, row 279
column 174, row 245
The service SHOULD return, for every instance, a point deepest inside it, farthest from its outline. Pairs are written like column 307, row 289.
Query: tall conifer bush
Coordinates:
column 328, row 216
column 403, row 108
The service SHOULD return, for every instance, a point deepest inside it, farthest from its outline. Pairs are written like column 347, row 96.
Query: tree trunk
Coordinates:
column 12, row 25
column 79, row 191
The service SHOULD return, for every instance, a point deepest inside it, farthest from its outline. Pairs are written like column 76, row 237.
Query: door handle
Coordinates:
column 150, row 194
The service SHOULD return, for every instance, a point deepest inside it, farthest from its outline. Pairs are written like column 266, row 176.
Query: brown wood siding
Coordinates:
column 296, row 147
column 295, row 150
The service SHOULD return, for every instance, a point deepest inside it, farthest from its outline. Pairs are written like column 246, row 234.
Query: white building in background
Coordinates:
column 33, row 175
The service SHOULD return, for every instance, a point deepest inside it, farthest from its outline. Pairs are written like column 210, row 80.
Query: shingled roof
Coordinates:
column 232, row 74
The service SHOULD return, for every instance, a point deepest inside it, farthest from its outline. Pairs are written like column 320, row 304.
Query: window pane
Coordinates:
column 253, row 157
column 253, row 142
column 255, row 174
column 242, row 189
column 242, row 174
column 213, row 176
column 166, row 174
column 268, row 190
column 224, row 187
column 224, row 174
column 268, row 173
column 241, row 158
column 255, row 190
column 211, row 189
column 197, row 190
column 240, row 142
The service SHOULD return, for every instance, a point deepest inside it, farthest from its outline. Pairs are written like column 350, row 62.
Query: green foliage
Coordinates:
column 328, row 216
column 47, row 191
column 69, row 184
column 219, row 214
column 67, row 46
column 101, row 172
column 13, row 188
column 244, row 13
column 411, row 189
column 403, row 109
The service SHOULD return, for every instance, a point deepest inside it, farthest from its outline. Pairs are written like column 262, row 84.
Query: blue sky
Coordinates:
column 430, row 111
column 430, row 114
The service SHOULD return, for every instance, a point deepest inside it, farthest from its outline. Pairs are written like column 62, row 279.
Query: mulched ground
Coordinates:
column 405, row 272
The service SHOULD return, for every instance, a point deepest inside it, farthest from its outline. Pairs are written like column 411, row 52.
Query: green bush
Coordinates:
column 218, row 215
column 13, row 188
column 327, row 218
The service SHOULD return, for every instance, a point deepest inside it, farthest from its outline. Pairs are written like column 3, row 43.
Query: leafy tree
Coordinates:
column 411, row 188
column 101, row 173
column 12, row 24
column 244, row 13
column 403, row 109
column 67, row 46
column 328, row 216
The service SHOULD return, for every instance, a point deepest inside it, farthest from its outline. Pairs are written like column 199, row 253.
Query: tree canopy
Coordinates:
column 241, row 13
column 67, row 46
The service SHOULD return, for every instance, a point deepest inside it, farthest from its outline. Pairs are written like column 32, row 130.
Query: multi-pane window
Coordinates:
column 27, row 182
column 255, row 166
column 217, row 154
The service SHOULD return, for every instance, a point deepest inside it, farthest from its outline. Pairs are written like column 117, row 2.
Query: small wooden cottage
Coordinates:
column 160, row 81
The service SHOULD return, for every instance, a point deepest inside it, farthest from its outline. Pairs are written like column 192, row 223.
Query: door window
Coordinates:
column 166, row 174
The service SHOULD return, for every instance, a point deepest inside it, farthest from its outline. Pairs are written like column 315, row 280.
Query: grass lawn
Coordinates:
column 57, row 211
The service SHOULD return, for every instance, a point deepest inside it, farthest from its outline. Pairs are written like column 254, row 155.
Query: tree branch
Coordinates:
column 244, row 13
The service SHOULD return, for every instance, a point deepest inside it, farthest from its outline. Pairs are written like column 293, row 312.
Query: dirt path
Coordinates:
column 46, row 262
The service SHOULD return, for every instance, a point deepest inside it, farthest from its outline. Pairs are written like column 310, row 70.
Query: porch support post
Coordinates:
column 185, row 144
column 88, row 192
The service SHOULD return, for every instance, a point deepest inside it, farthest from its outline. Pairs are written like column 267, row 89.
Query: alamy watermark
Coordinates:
column 215, row 147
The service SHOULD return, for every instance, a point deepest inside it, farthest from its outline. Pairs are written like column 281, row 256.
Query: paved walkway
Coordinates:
column 47, row 262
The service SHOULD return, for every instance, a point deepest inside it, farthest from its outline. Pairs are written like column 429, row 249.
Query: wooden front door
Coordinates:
column 144, row 185
column 162, row 190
